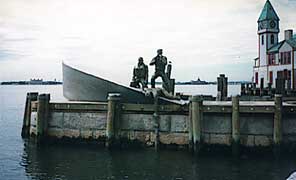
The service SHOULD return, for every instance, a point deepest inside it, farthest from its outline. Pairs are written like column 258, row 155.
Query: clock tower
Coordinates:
column 268, row 30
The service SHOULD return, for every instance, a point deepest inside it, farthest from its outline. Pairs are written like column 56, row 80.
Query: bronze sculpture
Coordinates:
column 160, row 63
column 140, row 75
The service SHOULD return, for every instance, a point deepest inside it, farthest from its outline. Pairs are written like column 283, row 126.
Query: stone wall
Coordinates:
column 137, row 123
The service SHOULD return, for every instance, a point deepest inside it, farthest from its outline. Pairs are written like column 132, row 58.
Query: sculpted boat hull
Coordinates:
column 80, row 86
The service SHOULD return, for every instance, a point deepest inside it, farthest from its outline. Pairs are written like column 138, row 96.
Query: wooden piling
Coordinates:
column 190, row 138
column 156, row 122
column 222, row 83
column 235, row 125
column 280, row 85
column 113, row 101
column 219, row 88
column 196, row 115
column 225, row 88
column 42, row 115
column 31, row 96
column 243, row 89
column 277, row 122
column 172, row 86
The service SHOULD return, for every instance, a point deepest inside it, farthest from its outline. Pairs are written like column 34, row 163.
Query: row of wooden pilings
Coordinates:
column 113, row 120
column 42, row 115
column 196, row 118
column 43, row 110
column 195, row 122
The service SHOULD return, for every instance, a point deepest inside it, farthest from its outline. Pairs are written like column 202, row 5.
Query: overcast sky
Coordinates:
column 202, row 38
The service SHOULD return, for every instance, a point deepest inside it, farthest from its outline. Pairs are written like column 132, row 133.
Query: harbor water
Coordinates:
column 20, row 159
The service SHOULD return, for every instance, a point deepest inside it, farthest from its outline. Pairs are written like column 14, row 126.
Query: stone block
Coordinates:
column 218, row 123
column 71, row 133
column 165, row 123
column 56, row 119
column 55, row 132
column 173, row 138
column 247, row 140
column 137, row 122
column 179, row 123
column 289, row 124
column 85, row 120
column 142, row 136
column 85, row 134
column 224, row 139
column 99, row 134
column 256, row 124
column 262, row 140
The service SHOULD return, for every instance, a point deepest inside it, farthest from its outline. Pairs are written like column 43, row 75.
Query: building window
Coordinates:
column 271, row 59
column 286, row 57
column 256, row 77
column 262, row 39
column 270, row 77
column 272, row 39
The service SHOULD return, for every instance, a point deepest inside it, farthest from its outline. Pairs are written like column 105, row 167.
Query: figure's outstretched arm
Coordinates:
column 152, row 62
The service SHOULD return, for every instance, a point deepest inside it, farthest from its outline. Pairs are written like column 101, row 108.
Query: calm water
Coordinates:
column 22, row 160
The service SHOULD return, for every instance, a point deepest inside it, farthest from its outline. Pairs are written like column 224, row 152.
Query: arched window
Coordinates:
column 262, row 39
column 272, row 39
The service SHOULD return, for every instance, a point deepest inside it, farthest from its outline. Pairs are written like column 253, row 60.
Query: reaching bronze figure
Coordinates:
column 140, row 75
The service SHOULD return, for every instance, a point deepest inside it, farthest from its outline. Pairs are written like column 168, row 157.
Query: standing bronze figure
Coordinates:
column 160, row 63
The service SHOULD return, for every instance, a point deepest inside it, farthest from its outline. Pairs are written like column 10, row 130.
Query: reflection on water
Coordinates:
column 20, row 159
column 82, row 162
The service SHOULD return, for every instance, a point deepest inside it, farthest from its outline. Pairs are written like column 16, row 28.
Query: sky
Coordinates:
column 202, row 38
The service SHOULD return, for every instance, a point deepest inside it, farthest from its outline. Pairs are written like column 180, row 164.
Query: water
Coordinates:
column 20, row 159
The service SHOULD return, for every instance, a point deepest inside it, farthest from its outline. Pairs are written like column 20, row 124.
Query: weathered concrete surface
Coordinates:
column 256, row 140
column 77, row 124
column 256, row 126
column 85, row 120
column 217, row 123
column 289, row 124
column 145, row 137
column 221, row 139
column 137, row 122
column 174, row 138
column 171, row 123
column 75, row 133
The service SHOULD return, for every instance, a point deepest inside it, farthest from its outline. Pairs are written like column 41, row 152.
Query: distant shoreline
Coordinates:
column 31, row 83
column 22, row 83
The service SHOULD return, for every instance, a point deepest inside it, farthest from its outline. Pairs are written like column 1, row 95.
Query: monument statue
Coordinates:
column 160, row 63
column 140, row 75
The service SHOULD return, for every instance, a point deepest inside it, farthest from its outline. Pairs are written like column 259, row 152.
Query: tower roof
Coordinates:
column 268, row 13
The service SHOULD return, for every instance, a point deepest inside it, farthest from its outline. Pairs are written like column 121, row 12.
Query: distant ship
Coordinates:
column 199, row 82
column 194, row 82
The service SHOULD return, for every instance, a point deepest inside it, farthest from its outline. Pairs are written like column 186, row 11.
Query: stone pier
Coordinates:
column 225, row 123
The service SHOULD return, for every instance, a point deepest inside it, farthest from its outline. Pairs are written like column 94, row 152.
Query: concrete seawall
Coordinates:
column 247, row 123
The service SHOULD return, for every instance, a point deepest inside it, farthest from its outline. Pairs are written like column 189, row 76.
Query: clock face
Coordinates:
column 272, row 24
